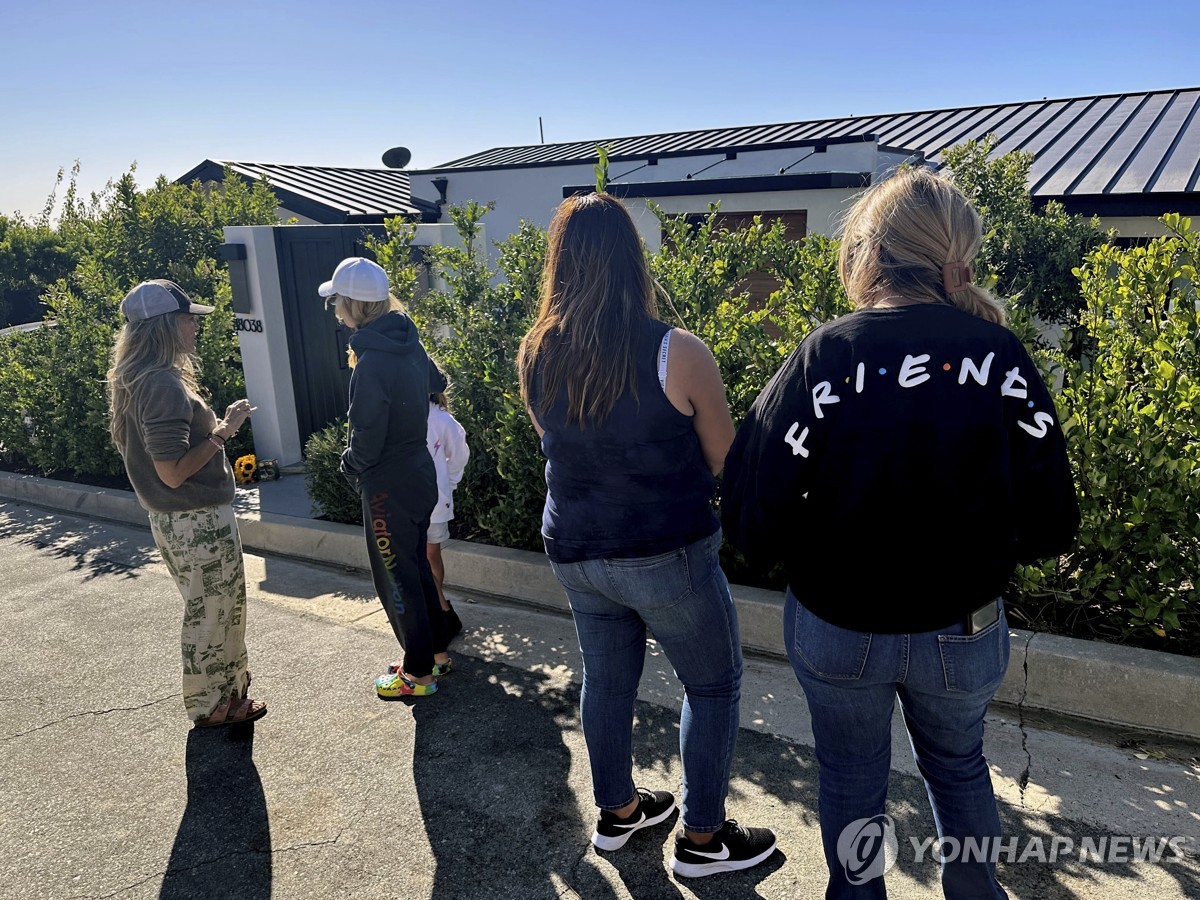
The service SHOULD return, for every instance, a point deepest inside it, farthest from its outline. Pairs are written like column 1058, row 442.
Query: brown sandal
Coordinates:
column 233, row 711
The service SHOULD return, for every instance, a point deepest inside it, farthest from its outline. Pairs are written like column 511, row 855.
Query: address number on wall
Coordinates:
column 254, row 325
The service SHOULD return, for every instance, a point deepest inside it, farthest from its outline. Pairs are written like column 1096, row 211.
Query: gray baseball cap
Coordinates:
column 159, row 297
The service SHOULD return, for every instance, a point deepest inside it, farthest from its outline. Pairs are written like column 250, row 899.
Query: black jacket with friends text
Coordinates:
column 899, row 466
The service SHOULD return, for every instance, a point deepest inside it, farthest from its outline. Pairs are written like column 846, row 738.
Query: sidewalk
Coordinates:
column 481, row 791
column 1088, row 680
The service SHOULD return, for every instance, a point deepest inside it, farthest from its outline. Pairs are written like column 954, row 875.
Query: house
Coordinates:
column 1127, row 158
column 326, row 195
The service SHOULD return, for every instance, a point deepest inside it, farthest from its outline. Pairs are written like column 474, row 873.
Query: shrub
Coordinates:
column 54, row 413
column 1030, row 253
column 1131, row 412
column 328, row 488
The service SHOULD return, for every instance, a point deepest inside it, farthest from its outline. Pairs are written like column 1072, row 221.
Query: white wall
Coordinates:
column 265, row 357
column 286, row 215
column 1134, row 226
column 266, row 360
column 534, row 193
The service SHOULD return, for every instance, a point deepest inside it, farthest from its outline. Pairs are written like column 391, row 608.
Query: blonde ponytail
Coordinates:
column 899, row 237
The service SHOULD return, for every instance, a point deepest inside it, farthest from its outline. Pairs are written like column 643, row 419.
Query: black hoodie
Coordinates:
column 389, row 403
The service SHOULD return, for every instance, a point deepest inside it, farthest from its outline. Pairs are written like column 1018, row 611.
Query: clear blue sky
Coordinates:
column 168, row 84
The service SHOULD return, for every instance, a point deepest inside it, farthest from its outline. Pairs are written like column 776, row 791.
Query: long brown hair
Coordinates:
column 899, row 235
column 141, row 349
column 596, row 293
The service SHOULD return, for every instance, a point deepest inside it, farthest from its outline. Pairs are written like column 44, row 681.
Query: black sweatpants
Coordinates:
column 403, row 579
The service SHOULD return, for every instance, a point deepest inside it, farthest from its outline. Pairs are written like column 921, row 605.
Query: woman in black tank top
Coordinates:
column 628, row 525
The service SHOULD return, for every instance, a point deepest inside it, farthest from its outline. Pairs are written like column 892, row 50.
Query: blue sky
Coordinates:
column 168, row 84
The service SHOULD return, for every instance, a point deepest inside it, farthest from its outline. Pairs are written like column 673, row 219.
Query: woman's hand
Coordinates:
column 235, row 414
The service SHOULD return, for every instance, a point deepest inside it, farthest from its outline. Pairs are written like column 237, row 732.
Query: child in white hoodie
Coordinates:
column 447, row 443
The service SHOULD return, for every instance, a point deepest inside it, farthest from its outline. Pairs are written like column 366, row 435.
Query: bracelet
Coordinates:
column 217, row 440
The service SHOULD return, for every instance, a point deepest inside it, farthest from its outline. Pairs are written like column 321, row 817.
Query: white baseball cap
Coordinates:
column 358, row 279
column 159, row 297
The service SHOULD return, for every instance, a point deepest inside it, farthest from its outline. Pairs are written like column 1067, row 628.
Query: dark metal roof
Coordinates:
column 327, row 194
column 1142, row 143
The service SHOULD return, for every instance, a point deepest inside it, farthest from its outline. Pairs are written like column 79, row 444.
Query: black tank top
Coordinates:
column 634, row 485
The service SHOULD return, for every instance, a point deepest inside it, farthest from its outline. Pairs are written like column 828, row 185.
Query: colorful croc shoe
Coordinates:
column 395, row 685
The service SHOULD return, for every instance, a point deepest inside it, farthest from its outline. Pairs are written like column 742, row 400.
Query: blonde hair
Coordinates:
column 596, row 293
column 360, row 314
column 143, row 348
column 899, row 235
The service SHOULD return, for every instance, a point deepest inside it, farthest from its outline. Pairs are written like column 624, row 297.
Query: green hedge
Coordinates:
column 1130, row 407
column 53, row 411
column 1128, row 366
column 1130, row 400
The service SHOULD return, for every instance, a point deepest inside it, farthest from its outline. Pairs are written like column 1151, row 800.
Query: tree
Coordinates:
column 1030, row 252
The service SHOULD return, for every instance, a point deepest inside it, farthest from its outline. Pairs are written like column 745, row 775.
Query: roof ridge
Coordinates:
column 781, row 124
column 247, row 162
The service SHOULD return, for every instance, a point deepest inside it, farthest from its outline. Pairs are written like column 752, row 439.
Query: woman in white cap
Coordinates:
column 387, row 461
column 171, row 443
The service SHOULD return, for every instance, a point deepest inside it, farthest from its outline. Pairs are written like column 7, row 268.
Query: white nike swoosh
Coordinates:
column 640, row 819
column 724, row 854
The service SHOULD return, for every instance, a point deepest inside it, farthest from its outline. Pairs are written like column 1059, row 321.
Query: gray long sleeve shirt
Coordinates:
column 164, row 423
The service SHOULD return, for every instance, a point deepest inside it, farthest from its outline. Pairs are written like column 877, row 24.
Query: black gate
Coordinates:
column 316, row 342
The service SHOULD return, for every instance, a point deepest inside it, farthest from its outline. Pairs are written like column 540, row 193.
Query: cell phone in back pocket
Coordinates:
column 983, row 617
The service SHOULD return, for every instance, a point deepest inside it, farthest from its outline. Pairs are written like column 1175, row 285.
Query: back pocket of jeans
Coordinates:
column 651, row 582
column 972, row 662
column 829, row 651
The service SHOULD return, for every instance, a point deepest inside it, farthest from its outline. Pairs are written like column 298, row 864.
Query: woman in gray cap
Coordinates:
column 171, row 443
column 388, row 462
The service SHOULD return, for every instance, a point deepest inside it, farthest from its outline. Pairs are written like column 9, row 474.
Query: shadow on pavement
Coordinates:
column 89, row 543
column 223, row 846
column 492, row 781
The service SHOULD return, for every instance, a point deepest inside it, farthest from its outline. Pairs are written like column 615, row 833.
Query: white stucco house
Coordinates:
column 1127, row 158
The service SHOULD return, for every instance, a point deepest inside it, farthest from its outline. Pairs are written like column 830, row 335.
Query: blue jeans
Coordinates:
column 945, row 680
column 683, row 597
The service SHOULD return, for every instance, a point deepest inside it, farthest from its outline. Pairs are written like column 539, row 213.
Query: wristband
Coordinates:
column 216, row 439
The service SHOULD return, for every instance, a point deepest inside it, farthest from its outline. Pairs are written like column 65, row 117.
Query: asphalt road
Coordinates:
column 481, row 791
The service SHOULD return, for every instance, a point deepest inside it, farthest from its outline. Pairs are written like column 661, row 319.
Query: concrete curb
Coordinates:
column 1121, row 686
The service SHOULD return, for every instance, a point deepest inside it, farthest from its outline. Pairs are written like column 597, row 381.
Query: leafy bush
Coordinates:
column 703, row 268
column 327, row 486
column 54, row 414
column 1030, row 253
column 1131, row 412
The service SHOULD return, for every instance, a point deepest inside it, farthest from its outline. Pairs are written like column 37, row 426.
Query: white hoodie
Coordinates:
column 447, row 443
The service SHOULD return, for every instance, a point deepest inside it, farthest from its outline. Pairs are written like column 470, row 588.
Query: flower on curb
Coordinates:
column 245, row 468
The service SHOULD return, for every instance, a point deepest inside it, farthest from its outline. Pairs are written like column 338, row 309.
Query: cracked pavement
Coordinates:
column 479, row 792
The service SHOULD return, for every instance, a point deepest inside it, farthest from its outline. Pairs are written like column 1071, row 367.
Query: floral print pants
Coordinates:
column 203, row 551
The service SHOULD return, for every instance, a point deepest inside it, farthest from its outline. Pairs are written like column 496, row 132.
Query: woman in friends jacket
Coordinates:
column 387, row 460
column 902, row 462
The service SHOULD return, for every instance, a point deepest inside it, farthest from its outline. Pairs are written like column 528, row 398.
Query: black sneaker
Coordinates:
column 732, row 847
column 612, row 833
